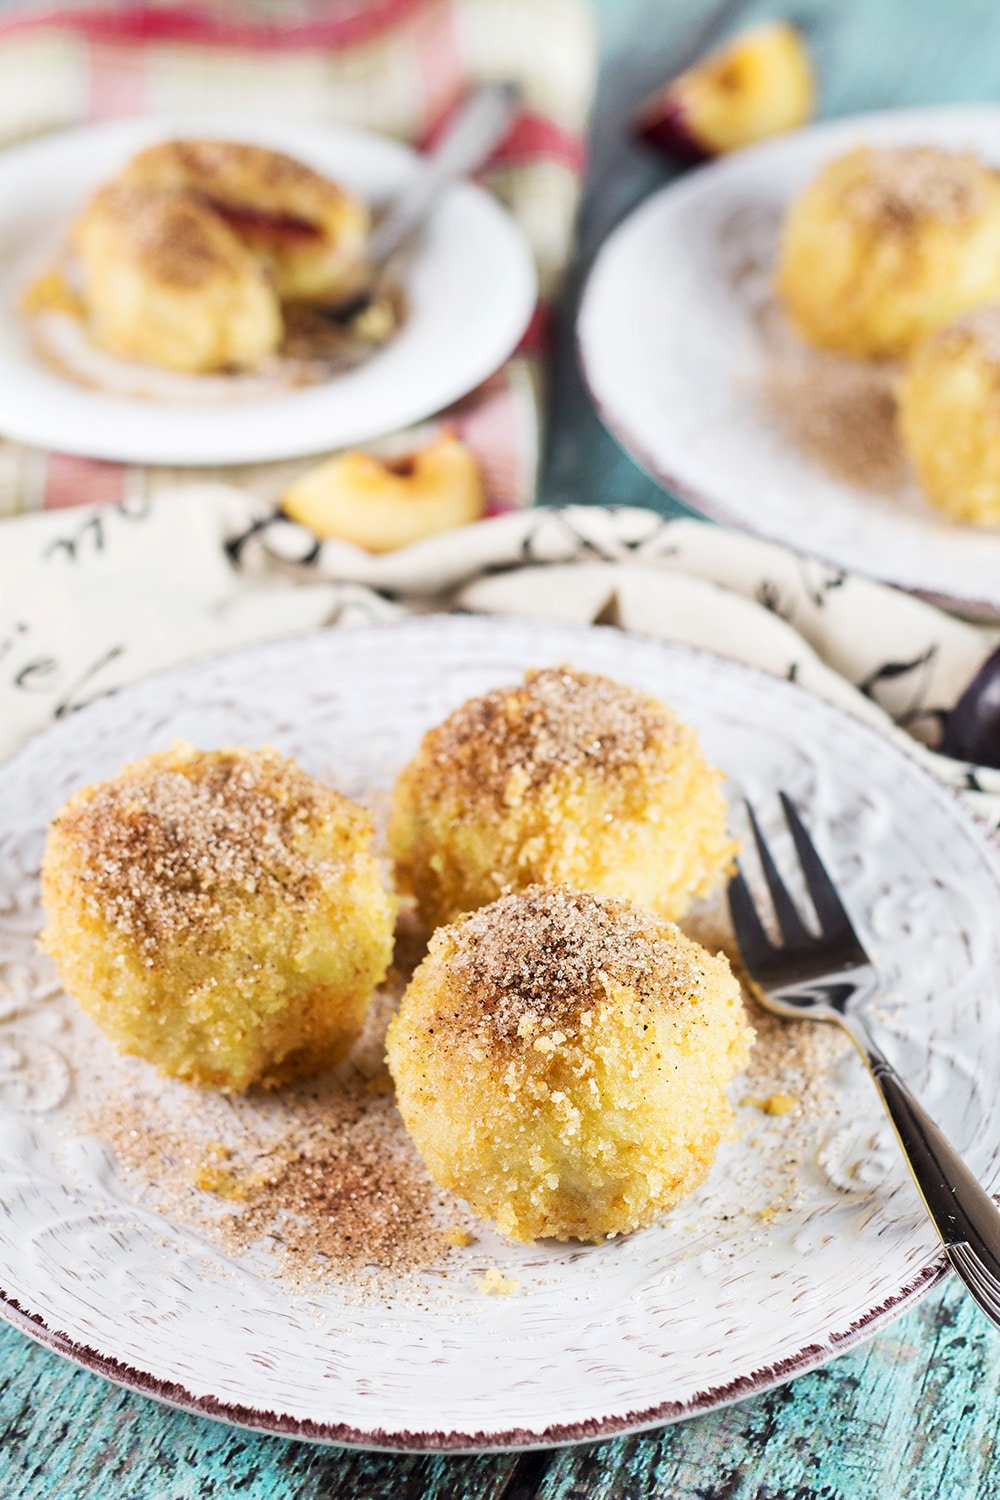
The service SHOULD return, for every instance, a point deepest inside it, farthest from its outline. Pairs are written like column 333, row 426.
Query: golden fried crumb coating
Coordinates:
column 560, row 1061
column 949, row 417
column 167, row 281
column 567, row 778
column 218, row 913
column 308, row 232
column 889, row 244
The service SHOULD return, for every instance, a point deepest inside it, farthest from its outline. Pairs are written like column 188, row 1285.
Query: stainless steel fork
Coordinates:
column 830, row 977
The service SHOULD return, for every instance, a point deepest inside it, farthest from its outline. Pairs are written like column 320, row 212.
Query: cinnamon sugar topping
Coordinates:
column 558, row 720
column 540, row 960
column 903, row 185
column 166, row 849
column 180, row 241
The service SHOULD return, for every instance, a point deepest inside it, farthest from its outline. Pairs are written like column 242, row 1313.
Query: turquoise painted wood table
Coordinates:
column 916, row 1412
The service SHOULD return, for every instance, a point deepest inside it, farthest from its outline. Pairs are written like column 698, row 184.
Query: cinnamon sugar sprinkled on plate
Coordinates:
column 838, row 412
column 346, row 1193
column 336, row 1194
column 321, row 1174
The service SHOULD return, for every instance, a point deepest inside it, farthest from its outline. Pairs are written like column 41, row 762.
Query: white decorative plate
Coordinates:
column 807, row 1236
column 696, row 372
column 469, row 286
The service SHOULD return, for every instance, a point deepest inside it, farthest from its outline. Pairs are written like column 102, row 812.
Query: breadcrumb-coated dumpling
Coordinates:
column 949, row 417
column 560, row 1061
column 308, row 231
column 187, row 255
column 219, row 913
column 167, row 281
column 889, row 244
column 568, row 778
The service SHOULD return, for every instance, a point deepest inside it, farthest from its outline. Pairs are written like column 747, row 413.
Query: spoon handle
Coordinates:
column 473, row 135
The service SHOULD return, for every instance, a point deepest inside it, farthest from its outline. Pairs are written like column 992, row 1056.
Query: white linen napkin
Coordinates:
column 94, row 597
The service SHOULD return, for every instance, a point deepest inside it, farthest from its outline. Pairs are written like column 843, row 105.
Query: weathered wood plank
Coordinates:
column 915, row 1412
column 912, row 1413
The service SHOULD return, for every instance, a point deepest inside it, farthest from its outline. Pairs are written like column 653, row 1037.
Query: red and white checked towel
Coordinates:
column 395, row 66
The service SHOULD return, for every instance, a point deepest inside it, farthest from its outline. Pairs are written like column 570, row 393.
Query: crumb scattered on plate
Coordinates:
column 495, row 1284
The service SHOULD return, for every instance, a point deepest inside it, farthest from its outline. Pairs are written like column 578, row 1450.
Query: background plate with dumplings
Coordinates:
column 469, row 287
column 698, row 374
column 807, row 1236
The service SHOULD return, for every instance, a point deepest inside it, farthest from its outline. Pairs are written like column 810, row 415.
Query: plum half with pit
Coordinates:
column 759, row 83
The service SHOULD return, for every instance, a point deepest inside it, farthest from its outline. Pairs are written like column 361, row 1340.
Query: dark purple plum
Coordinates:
column 972, row 728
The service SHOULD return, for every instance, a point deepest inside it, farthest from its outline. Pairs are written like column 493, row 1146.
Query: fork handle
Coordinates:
column 963, row 1213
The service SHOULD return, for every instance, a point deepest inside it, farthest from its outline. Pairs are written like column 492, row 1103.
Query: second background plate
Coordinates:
column 695, row 371
column 469, row 287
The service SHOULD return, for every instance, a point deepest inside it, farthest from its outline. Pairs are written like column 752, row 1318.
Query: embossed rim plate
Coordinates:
column 737, row 1290
column 674, row 359
column 453, row 337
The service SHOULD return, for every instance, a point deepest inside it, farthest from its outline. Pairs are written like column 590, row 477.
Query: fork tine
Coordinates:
column 755, row 945
column 793, row 930
column 980, row 1281
column 833, row 919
